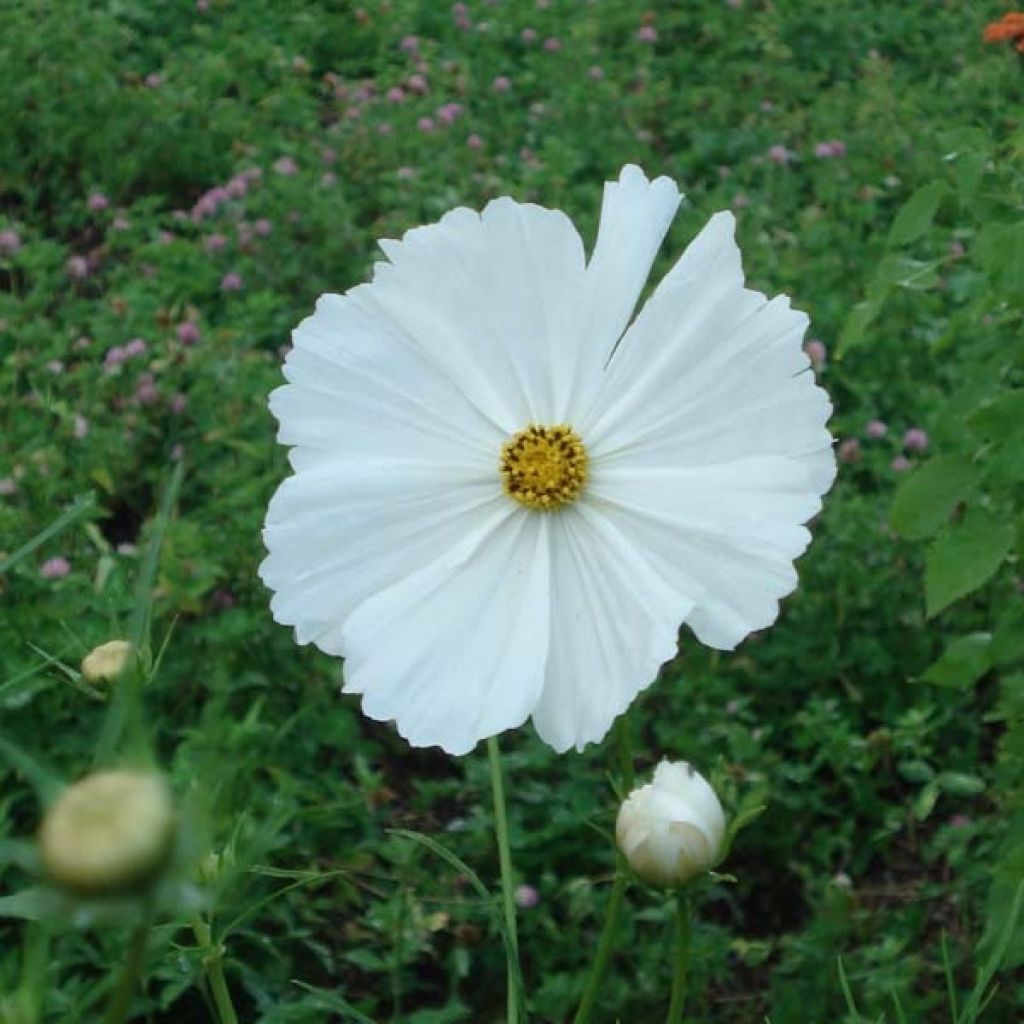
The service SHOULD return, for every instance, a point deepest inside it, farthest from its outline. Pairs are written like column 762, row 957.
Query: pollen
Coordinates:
column 544, row 467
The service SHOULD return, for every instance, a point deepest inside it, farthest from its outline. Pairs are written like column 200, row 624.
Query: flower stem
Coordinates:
column 131, row 971
column 616, row 901
column 604, row 949
column 681, row 970
column 214, row 967
column 508, row 897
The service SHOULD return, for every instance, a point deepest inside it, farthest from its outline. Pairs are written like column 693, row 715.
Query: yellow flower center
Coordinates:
column 544, row 467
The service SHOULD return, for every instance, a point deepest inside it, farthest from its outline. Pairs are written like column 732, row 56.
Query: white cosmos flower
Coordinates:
column 475, row 570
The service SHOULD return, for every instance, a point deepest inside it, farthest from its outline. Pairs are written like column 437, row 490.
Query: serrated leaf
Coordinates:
column 917, row 214
column 965, row 558
column 963, row 662
column 925, row 500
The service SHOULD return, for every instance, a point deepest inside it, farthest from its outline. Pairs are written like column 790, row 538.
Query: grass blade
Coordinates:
column 979, row 997
column 43, row 781
column 78, row 509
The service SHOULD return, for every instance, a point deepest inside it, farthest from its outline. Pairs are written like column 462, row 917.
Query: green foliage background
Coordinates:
column 881, row 720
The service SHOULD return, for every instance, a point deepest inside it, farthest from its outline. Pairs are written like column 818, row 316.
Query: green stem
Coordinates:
column 681, row 970
column 604, row 950
column 397, row 945
column 508, row 896
column 131, row 972
column 617, row 899
column 213, row 964
column 33, row 988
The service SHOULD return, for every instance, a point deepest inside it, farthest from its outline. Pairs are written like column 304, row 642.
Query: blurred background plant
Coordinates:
column 179, row 182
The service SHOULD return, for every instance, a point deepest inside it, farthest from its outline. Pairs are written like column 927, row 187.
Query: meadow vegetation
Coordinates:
column 180, row 182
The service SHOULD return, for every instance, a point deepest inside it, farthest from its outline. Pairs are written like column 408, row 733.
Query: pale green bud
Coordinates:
column 105, row 663
column 108, row 833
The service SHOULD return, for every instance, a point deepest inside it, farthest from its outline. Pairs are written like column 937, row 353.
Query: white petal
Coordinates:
column 690, row 798
column 492, row 299
column 456, row 652
column 708, row 438
column 342, row 531
column 635, row 215
column 699, row 337
column 725, row 533
column 359, row 384
column 613, row 623
column 711, row 371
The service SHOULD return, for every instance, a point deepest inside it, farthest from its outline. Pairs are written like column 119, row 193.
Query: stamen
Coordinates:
column 544, row 467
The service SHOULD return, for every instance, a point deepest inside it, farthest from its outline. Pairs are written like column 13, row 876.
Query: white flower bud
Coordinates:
column 105, row 663
column 108, row 833
column 672, row 829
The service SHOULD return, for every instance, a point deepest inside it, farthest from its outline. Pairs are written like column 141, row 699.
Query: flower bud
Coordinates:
column 105, row 663
column 108, row 833
column 672, row 829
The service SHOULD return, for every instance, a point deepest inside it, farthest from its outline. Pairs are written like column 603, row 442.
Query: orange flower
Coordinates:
column 1009, row 26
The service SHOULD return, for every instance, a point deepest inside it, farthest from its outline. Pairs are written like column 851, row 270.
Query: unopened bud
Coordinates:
column 672, row 829
column 105, row 663
column 108, row 833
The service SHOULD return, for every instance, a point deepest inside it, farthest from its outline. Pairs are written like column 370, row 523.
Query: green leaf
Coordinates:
column 904, row 272
column 1000, row 947
column 926, row 800
column 916, row 771
column 325, row 999
column 925, row 500
column 855, row 328
column 1000, row 250
column 965, row 558
column 1008, row 638
column 1000, row 417
column 30, row 904
column 46, row 784
column 961, row 784
column 963, row 662
column 743, row 818
column 918, row 213
column 968, row 152
column 1005, row 468
column 20, row 852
